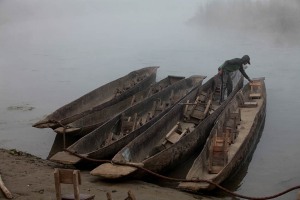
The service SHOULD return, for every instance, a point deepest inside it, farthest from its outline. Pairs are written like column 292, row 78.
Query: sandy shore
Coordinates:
column 29, row 177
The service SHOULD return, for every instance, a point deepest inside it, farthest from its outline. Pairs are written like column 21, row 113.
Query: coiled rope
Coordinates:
column 186, row 180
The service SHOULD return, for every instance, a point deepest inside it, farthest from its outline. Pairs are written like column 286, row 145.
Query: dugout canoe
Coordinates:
column 172, row 139
column 101, row 97
column 90, row 122
column 105, row 141
column 231, row 140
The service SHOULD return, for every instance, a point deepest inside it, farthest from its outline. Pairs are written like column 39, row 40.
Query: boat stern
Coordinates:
column 195, row 186
column 65, row 158
column 113, row 171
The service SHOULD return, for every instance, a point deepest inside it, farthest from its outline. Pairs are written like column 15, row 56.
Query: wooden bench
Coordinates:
column 158, row 107
column 218, row 152
column 243, row 103
column 175, row 134
column 236, row 116
column 128, row 125
column 255, row 90
column 198, row 110
column 69, row 176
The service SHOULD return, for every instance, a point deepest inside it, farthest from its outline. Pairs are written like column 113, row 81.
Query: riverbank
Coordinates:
column 29, row 177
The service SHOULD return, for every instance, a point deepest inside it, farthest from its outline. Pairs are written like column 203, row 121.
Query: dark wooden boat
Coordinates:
column 90, row 122
column 172, row 139
column 232, row 138
column 108, row 139
column 101, row 97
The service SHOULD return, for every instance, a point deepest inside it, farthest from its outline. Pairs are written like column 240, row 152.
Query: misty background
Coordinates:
column 276, row 21
column 52, row 52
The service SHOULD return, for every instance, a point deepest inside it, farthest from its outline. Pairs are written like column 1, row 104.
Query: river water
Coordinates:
column 52, row 52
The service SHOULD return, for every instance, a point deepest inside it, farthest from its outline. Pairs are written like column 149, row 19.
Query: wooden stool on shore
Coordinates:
column 69, row 176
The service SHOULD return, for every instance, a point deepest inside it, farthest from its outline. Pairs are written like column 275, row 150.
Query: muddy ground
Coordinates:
column 29, row 177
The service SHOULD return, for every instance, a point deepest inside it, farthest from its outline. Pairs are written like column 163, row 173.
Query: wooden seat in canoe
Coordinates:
column 255, row 91
column 175, row 134
column 158, row 106
column 232, row 131
column 197, row 111
column 243, row 103
column 218, row 152
column 128, row 124
column 236, row 116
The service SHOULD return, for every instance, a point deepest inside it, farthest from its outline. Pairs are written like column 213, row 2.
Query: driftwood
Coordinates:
column 6, row 192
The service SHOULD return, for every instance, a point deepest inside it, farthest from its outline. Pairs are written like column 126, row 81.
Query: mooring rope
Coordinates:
column 185, row 180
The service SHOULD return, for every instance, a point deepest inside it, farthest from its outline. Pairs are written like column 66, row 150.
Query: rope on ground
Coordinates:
column 186, row 180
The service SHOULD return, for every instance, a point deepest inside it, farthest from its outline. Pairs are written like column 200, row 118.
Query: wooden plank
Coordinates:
column 236, row 116
column 207, row 107
column 249, row 104
column 133, row 100
column 6, row 192
column 198, row 114
column 174, row 137
column 172, row 130
column 255, row 83
column 255, row 95
column 65, row 176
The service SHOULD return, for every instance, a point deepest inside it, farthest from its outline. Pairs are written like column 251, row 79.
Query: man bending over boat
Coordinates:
column 230, row 66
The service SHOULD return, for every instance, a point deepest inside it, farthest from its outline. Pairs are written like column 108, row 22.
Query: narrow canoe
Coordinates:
column 172, row 139
column 232, row 139
column 101, row 97
column 108, row 139
column 90, row 122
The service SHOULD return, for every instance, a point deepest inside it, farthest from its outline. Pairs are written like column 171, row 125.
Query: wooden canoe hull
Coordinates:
column 94, row 144
column 139, row 149
column 91, row 121
column 101, row 97
column 249, row 133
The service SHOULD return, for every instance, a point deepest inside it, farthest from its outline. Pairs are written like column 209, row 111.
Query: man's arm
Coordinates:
column 244, row 74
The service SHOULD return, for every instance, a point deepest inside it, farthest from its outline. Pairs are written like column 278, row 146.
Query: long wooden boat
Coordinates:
column 90, row 122
column 172, row 139
column 72, row 132
column 101, row 97
column 108, row 139
column 231, row 140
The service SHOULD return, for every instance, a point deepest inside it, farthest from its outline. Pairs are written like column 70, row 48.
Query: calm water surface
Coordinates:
column 52, row 52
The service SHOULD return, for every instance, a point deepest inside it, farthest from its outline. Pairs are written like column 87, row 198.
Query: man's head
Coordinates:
column 246, row 59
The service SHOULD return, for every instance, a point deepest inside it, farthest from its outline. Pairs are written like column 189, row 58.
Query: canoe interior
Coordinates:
column 109, row 138
column 91, row 121
column 232, row 138
column 157, row 151
column 103, row 96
